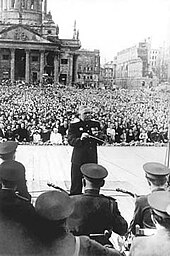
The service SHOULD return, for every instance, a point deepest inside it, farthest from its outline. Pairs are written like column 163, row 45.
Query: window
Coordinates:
column 12, row 3
column 64, row 61
column 5, row 57
column 34, row 58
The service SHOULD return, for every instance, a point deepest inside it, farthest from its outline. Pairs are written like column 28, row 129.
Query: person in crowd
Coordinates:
column 155, row 135
column 130, row 137
column 2, row 131
column 56, row 137
column 143, row 136
column 157, row 178
column 45, row 133
column 93, row 212
column 84, row 146
column 110, row 133
column 23, row 133
column 9, row 134
column 118, row 132
column 159, row 243
column 63, row 129
column 54, row 207
column 8, row 153
column 36, row 136
column 17, row 132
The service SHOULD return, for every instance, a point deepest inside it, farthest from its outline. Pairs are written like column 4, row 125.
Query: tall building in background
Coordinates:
column 30, row 47
column 88, row 68
column 132, row 66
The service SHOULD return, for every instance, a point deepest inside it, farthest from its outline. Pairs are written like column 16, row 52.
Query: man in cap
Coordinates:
column 11, row 204
column 159, row 243
column 8, row 152
column 157, row 177
column 93, row 212
column 54, row 208
column 17, row 214
column 85, row 147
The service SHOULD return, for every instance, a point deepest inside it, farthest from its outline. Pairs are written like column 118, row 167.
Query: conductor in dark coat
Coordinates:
column 93, row 212
column 157, row 177
column 85, row 147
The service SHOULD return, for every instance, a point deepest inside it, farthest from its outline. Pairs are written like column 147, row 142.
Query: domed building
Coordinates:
column 30, row 47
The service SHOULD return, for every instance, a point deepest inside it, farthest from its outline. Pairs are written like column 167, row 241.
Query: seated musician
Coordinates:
column 157, row 177
column 54, row 208
column 159, row 243
column 8, row 152
column 94, row 212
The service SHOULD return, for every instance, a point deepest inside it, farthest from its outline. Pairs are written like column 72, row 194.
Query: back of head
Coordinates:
column 54, row 205
column 53, row 208
column 12, row 171
column 160, row 204
column 94, row 173
column 156, row 173
column 8, row 149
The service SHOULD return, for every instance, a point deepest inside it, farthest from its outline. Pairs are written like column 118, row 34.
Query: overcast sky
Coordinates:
column 112, row 25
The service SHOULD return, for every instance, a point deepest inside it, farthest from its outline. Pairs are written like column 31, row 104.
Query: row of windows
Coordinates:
column 33, row 58
column 85, row 77
column 7, row 57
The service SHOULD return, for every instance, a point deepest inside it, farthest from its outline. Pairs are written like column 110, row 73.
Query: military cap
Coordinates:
column 160, row 203
column 12, row 170
column 54, row 205
column 84, row 109
column 155, row 170
column 93, row 171
column 7, row 147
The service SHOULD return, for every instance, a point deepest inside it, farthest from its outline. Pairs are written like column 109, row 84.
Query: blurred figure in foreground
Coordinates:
column 157, row 177
column 17, row 215
column 159, row 243
column 54, row 208
column 8, row 153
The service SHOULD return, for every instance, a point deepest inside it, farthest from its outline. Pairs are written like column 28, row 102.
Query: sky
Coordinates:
column 112, row 25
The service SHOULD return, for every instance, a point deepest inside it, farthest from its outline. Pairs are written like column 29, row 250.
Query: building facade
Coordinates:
column 88, row 68
column 108, row 74
column 132, row 66
column 30, row 45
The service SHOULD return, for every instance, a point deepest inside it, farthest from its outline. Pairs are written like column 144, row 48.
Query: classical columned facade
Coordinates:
column 30, row 46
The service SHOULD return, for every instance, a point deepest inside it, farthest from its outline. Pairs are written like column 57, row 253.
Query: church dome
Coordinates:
column 28, row 12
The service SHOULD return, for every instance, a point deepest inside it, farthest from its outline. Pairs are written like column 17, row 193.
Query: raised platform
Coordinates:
column 52, row 164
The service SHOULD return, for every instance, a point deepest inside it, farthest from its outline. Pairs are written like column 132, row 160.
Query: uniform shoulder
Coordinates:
column 142, row 200
column 22, row 198
column 108, row 197
column 95, row 121
column 75, row 121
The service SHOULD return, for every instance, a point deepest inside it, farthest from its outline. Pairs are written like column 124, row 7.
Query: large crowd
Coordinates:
column 60, row 223
column 42, row 114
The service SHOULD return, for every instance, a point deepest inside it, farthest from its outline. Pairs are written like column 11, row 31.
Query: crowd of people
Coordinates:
column 60, row 223
column 42, row 114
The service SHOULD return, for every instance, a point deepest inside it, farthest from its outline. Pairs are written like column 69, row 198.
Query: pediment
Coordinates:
column 20, row 33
